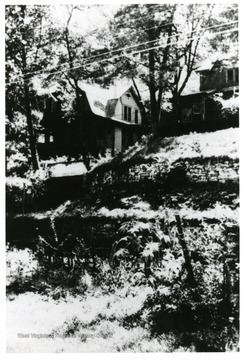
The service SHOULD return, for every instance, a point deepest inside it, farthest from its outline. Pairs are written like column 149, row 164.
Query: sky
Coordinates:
column 89, row 19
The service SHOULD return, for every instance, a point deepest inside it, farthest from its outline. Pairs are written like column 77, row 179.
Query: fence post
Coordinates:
column 186, row 253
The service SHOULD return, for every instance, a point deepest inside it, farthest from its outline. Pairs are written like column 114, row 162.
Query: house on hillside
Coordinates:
column 105, row 119
column 198, row 108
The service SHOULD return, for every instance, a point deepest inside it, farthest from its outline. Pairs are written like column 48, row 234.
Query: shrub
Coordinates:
column 25, row 193
column 22, row 268
column 17, row 151
column 230, row 107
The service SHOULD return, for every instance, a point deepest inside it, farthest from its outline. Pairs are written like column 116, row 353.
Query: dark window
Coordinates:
column 125, row 113
column 129, row 114
column 236, row 76
column 136, row 117
column 230, row 75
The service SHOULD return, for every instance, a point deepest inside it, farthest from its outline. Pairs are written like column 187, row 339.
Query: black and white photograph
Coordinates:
column 122, row 177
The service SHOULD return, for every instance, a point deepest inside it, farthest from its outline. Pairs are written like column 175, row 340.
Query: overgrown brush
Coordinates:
column 146, row 282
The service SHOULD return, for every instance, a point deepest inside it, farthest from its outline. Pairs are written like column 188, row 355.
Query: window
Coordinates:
column 127, row 113
column 230, row 75
column 136, row 116
column 236, row 75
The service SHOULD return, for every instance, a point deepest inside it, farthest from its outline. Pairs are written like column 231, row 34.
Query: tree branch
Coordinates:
column 40, row 39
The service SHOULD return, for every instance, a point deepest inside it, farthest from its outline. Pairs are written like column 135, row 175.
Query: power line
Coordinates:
column 155, row 47
column 145, row 29
column 135, row 52
column 147, row 42
column 114, row 37
column 120, row 56
column 99, row 55
column 193, row 38
column 126, row 48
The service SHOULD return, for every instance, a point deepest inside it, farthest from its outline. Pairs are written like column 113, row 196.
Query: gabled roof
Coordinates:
column 114, row 92
column 103, row 101
column 212, row 91
column 206, row 92
column 193, row 84
column 205, row 65
column 208, row 64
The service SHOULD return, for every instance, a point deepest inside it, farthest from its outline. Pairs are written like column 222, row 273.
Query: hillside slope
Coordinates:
column 220, row 143
column 193, row 175
column 155, row 236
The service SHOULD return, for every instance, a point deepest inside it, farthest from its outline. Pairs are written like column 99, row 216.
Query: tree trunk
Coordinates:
column 155, row 126
column 154, row 110
column 152, row 89
column 27, row 102
column 176, row 106
column 30, row 128
column 191, row 278
column 75, row 86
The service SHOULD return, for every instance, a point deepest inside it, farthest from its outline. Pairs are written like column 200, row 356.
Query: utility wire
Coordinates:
column 134, row 53
column 120, row 56
column 157, row 47
column 147, row 42
column 128, row 47
column 193, row 38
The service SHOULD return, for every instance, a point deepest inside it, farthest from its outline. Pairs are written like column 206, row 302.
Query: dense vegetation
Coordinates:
column 168, row 276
